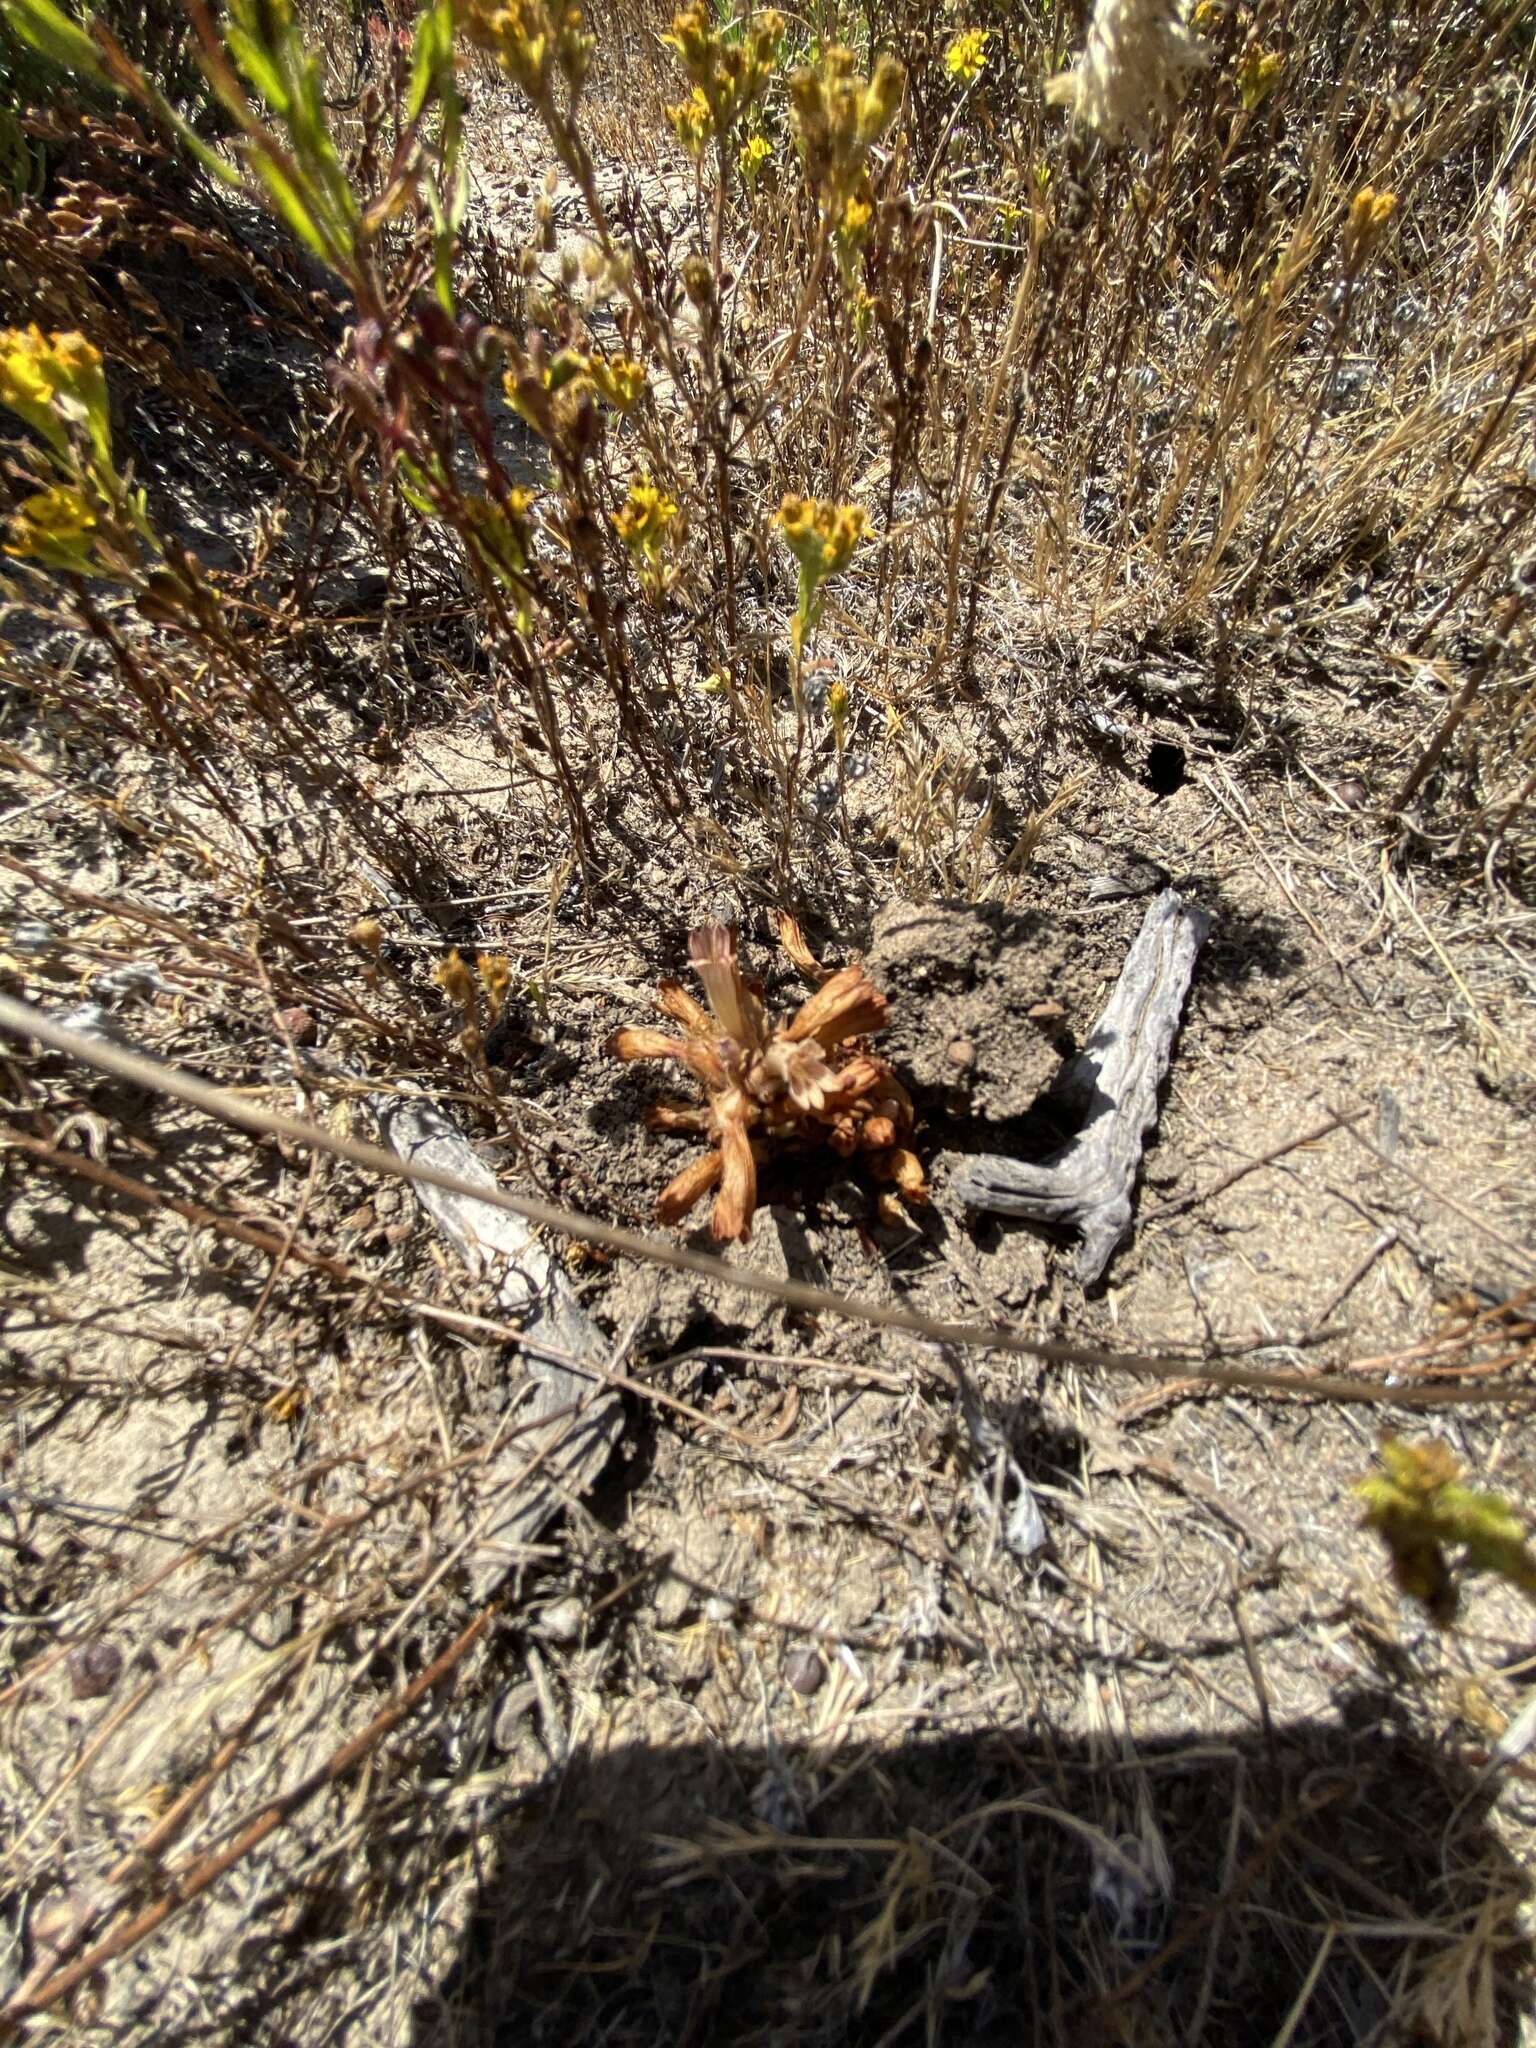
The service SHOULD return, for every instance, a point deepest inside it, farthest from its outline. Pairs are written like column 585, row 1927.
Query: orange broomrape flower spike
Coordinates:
column 806, row 1081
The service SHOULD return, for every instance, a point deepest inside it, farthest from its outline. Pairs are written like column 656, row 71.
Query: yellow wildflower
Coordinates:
column 966, row 57
column 822, row 538
column 839, row 118
column 1369, row 213
column 619, row 380
column 839, row 707
column 754, row 154
column 532, row 41
column 1257, row 77
column 852, row 233
column 727, row 77
column 57, row 527
column 642, row 523
column 691, row 122
column 55, row 382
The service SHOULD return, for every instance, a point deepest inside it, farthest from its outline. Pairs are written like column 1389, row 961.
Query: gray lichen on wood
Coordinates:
column 1110, row 1088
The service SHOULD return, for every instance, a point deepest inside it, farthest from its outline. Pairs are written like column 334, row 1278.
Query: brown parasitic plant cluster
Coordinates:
column 809, row 1080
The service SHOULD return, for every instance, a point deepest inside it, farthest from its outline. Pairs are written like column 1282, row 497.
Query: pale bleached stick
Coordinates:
column 544, row 1468
column 1111, row 1088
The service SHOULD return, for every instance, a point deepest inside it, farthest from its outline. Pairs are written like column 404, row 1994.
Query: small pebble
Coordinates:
column 299, row 1025
column 961, row 1052
column 561, row 1621
column 31, row 935
column 94, row 1668
column 52, row 1924
column 805, row 1671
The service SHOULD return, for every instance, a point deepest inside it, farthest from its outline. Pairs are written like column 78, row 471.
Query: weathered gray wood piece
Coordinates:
column 578, row 1421
column 1112, row 1085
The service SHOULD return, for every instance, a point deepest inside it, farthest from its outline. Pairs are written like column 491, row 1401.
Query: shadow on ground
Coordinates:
column 1324, row 1886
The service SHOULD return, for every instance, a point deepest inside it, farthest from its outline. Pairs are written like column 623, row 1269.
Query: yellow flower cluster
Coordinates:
column 500, row 535
column 840, row 117
column 85, row 521
column 691, row 122
column 1257, row 77
column 619, row 381
column 1418, row 1502
column 822, row 538
column 851, row 233
column 533, row 42
column 1369, row 213
column 966, row 57
column 642, row 523
column 56, row 527
column 55, row 383
column 727, row 77
column 752, row 156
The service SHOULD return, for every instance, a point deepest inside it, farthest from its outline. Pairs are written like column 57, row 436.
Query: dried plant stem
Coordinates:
column 181, row 1887
column 1460, row 705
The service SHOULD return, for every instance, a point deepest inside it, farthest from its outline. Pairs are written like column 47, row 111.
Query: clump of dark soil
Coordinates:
column 985, row 1001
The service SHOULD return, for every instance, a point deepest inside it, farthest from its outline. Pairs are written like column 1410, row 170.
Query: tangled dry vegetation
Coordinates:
column 517, row 486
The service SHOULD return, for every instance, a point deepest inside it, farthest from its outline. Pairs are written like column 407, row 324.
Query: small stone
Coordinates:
column 33, row 936
column 671, row 1600
column 52, row 1924
column 961, row 1053
column 805, row 1671
column 299, row 1025
column 94, row 1668
column 1352, row 793
column 719, row 1609
column 561, row 1621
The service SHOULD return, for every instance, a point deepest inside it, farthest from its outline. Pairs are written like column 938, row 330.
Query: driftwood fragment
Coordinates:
column 1110, row 1088
column 576, row 1421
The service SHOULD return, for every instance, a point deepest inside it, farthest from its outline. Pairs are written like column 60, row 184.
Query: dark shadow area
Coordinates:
column 1167, row 768
column 991, row 1888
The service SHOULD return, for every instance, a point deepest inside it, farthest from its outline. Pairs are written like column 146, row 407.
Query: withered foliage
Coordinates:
column 807, row 1081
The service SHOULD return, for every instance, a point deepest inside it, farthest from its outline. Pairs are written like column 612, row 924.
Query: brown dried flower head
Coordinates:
column 806, row 1080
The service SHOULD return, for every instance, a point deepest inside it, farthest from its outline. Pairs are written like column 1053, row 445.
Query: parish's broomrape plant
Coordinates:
column 806, row 1081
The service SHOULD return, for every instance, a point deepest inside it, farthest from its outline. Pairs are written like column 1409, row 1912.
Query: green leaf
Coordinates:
column 293, row 208
column 258, row 69
column 431, row 55
column 50, row 31
column 215, row 165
